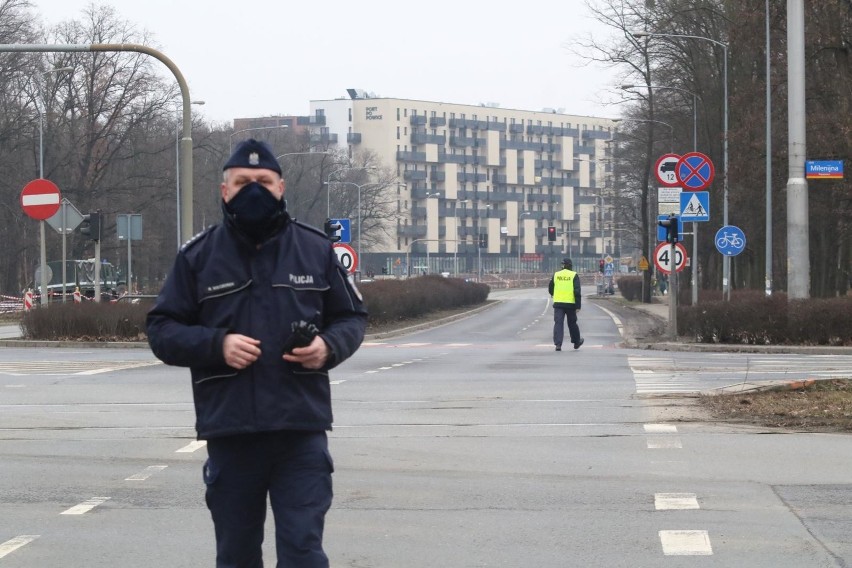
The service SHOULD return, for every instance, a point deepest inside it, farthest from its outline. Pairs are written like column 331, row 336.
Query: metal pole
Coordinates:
column 768, row 160
column 694, row 225
column 64, row 249
column 798, row 247
column 98, row 271
column 726, row 260
column 177, row 182
column 129, row 264
column 673, row 292
column 360, row 260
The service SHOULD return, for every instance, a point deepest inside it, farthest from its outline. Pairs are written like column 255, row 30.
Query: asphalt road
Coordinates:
column 472, row 444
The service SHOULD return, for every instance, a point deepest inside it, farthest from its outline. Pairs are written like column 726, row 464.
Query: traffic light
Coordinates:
column 601, row 265
column 91, row 226
column 331, row 230
column 672, row 229
column 483, row 240
column 551, row 234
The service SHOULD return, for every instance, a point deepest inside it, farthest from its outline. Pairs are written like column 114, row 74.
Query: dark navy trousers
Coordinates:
column 559, row 317
column 294, row 469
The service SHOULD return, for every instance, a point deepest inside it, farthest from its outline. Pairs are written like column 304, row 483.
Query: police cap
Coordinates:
column 567, row 262
column 252, row 153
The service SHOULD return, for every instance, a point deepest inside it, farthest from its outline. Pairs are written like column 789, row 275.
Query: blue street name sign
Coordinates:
column 694, row 206
column 345, row 232
column 824, row 169
column 730, row 240
column 661, row 231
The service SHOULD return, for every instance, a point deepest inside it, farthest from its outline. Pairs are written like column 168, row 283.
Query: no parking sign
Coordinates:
column 347, row 257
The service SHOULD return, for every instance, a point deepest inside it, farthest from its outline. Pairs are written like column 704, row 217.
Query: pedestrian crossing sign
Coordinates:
column 694, row 206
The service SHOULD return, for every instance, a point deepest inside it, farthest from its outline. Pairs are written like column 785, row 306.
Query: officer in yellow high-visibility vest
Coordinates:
column 565, row 289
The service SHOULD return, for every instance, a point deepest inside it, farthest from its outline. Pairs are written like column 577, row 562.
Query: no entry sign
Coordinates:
column 40, row 199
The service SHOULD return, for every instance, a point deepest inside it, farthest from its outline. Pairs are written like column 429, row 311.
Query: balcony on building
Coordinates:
column 417, row 120
column 324, row 138
column 353, row 138
column 437, row 121
column 316, row 120
column 410, row 156
column 414, row 175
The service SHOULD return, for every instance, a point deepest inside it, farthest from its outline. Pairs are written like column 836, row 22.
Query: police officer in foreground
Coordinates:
column 564, row 286
column 260, row 309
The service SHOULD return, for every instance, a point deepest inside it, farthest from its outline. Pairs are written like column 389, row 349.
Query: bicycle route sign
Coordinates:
column 730, row 240
column 663, row 259
column 695, row 171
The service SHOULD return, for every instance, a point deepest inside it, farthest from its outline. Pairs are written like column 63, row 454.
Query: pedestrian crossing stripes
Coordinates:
column 687, row 374
column 23, row 368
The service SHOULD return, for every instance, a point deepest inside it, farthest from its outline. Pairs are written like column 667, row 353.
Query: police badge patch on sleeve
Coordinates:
column 351, row 281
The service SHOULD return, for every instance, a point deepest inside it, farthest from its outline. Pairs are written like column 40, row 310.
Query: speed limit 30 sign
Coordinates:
column 663, row 260
column 347, row 257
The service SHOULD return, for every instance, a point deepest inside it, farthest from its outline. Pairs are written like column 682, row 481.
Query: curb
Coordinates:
column 768, row 386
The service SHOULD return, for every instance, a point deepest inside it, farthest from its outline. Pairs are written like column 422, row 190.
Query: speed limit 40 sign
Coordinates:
column 663, row 257
column 347, row 257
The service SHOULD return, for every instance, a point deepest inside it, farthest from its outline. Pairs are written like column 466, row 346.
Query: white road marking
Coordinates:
column 686, row 543
column 85, row 506
column 191, row 447
column 615, row 319
column 664, row 443
column 146, row 473
column 414, row 344
column 49, row 368
column 458, row 344
column 675, row 501
column 14, row 544
column 661, row 428
column 338, row 382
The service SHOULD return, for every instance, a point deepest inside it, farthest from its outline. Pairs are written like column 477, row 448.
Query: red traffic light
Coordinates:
column 551, row 234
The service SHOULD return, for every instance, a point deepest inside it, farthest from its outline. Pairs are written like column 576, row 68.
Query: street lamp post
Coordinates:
column 520, row 215
column 694, row 149
column 177, row 171
column 328, row 186
column 726, row 260
column 43, row 251
column 359, row 186
column 232, row 134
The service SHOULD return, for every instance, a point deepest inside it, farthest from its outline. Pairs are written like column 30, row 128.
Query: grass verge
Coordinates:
column 823, row 406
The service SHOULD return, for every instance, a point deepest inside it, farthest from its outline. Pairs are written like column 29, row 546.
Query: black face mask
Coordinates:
column 255, row 211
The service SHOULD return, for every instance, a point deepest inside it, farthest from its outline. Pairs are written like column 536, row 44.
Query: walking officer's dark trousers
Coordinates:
column 294, row 468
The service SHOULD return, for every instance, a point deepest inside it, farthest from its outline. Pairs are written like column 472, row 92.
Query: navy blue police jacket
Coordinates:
column 221, row 283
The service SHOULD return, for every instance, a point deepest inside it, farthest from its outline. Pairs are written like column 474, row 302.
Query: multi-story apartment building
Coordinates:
column 482, row 184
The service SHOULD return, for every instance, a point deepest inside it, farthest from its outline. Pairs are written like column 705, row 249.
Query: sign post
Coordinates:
column 40, row 200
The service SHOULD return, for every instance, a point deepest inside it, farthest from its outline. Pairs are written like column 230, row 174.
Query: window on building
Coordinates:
column 397, row 113
column 397, row 132
column 405, row 112
column 350, row 114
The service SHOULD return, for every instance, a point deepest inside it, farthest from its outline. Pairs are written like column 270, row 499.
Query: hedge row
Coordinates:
column 753, row 318
column 387, row 301
column 390, row 301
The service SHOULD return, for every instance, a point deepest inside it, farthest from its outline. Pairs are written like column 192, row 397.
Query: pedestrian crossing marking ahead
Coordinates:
column 694, row 206
column 23, row 368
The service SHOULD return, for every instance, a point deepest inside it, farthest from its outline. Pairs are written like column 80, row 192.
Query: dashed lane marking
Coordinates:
column 191, row 447
column 146, row 473
column 675, row 501
column 667, row 443
column 85, row 506
column 14, row 544
column 660, row 428
column 686, row 543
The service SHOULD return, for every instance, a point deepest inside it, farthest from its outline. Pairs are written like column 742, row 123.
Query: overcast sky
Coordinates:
column 267, row 57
